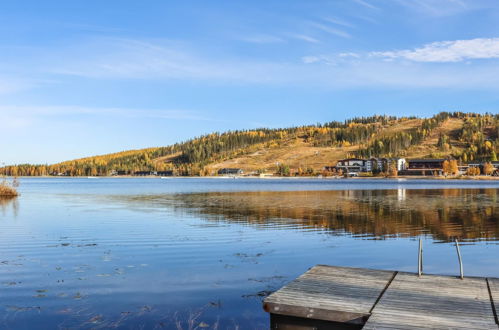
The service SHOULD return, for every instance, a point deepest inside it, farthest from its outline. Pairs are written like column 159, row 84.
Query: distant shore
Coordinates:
column 475, row 178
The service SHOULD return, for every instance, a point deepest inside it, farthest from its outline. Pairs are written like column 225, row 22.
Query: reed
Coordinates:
column 8, row 189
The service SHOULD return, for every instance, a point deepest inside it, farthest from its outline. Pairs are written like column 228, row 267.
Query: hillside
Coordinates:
column 464, row 136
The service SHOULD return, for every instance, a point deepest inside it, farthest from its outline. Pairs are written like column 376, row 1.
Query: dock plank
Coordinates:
column 494, row 292
column 338, row 294
column 433, row 302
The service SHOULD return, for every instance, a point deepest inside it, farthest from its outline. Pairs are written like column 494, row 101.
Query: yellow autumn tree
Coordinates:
column 454, row 169
column 488, row 168
column 446, row 167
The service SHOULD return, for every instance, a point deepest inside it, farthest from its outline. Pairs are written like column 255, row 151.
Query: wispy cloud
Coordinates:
column 325, row 59
column 14, row 124
column 365, row 4
column 349, row 54
column 338, row 22
column 262, row 39
column 10, row 85
column 442, row 8
column 159, row 60
column 305, row 38
column 447, row 51
column 394, row 75
column 357, row 70
column 345, row 59
column 330, row 30
column 112, row 58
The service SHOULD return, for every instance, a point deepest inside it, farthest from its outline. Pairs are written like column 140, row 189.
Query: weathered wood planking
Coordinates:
column 329, row 293
column 385, row 299
column 433, row 302
column 494, row 292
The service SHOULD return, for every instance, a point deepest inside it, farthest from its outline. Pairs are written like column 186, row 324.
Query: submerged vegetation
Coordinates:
column 462, row 136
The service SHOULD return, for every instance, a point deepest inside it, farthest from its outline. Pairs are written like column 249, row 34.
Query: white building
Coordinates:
column 351, row 165
column 356, row 165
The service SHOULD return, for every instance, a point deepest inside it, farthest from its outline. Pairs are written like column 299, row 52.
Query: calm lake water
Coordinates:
column 186, row 253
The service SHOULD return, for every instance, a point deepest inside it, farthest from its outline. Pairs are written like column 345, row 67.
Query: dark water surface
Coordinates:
column 187, row 253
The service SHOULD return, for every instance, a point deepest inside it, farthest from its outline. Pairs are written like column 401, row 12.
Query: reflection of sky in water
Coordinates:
column 111, row 252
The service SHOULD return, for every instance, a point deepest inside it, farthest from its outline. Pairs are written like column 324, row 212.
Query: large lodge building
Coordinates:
column 424, row 167
column 354, row 166
column 416, row 167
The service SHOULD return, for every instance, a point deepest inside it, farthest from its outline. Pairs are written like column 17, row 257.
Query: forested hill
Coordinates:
column 464, row 136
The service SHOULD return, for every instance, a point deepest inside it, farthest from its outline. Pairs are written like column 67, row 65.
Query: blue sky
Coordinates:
column 80, row 78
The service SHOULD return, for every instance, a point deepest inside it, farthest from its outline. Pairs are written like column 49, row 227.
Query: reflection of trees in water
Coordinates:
column 7, row 202
column 469, row 214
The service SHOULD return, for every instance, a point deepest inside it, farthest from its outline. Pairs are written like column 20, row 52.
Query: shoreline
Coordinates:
column 408, row 178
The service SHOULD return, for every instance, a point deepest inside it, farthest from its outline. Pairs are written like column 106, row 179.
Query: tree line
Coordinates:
column 479, row 136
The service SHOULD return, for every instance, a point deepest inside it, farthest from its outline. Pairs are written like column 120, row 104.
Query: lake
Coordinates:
column 181, row 253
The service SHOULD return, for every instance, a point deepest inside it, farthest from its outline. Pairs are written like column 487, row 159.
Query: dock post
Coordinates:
column 420, row 258
column 460, row 260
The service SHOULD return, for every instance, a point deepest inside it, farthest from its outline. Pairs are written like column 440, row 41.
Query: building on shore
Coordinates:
column 351, row 166
column 424, row 167
column 354, row 166
column 480, row 165
column 230, row 171
column 463, row 169
column 119, row 172
column 413, row 167
column 144, row 173
column 436, row 167
column 164, row 173
column 426, row 164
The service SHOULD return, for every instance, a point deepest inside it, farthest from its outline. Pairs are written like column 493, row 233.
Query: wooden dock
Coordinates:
column 328, row 297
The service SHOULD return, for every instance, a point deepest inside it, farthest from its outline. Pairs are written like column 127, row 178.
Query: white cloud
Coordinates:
column 324, row 59
column 448, row 51
column 396, row 75
column 354, row 71
column 118, row 59
column 344, row 59
column 349, row 54
column 310, row 59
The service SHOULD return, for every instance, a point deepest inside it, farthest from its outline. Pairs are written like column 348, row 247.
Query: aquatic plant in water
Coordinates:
column 8, row 188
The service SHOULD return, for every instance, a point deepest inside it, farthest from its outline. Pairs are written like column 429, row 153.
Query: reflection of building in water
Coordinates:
column 401, row 194
column 467, row 214
column 349, row 193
